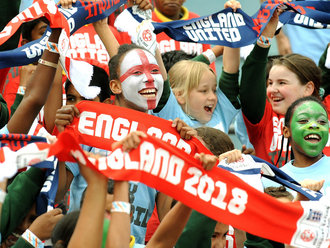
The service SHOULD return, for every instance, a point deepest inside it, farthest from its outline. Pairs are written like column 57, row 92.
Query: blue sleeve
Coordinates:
column 73, row 167
column 4, row 130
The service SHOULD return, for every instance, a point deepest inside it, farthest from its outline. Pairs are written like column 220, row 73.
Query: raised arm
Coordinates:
column 109, row 40
column 253, row 82
column 54, row 101
column 92, row 211
column 119, row 230
column 103, row 30
column 36, row 91
column 228, row 82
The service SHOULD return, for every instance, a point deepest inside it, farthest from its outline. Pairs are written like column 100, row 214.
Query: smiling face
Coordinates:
column 309, row 129
column 141, row 80
column 202, row 100
column 284, row 88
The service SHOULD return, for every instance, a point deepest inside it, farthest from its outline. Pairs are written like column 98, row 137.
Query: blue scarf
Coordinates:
column 221, row 28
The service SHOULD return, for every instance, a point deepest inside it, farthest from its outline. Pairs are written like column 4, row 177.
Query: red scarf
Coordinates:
column 216, row 193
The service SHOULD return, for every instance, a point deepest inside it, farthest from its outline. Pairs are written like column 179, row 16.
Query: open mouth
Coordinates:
column 148, row 93
column 313, row 138
column 208, row 108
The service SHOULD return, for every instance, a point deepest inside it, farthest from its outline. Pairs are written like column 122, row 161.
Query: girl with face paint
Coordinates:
column 307, row 129
column 136, row 81
column 136, row 78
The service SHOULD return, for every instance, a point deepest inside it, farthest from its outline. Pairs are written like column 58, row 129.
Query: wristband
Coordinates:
column 21, row 90
column 32, row 239
column 2, row 196
column 121, row 207
column 52, row 47
column 209, row 54
column 263, row 40
column 47, row 63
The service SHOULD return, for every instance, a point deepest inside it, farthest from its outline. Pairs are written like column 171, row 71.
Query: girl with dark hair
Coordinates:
column 306, row 127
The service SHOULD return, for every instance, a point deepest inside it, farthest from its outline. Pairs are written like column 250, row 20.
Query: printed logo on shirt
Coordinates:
column 276, row 144
column 140, row 215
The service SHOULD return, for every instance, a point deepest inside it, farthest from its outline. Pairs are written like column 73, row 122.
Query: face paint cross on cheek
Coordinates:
column 142, row 82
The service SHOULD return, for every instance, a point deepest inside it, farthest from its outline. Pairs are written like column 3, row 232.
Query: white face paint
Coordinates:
column 142, row 82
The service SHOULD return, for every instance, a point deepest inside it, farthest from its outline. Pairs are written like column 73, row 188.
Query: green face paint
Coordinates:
column 309, row 128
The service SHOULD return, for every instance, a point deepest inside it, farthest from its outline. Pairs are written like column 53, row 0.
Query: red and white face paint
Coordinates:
column 142, row 82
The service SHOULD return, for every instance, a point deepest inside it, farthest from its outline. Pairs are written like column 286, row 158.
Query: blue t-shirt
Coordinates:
column 4, row 130
column 223, row 114
column 143, row 197
column 240, row 130
column 317, row 171
column 78, row 184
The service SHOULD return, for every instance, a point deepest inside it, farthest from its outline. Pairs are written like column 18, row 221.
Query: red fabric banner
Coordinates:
column 100, row 124
column 216, row 193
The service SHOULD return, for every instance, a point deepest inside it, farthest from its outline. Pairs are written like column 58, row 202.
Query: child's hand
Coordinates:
column 64, row 116
column 143, row 4
column 208, row 160
column 51, row 139
column 312, row 184
column 25, row 73
column 43, row 226
column 249, row 151
column 270, row 29
column 131, row 141
column 92, row 175
column 66, row 4
column 185, row 131
column 231, row 156
column 309, row 184
column 233, row 4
